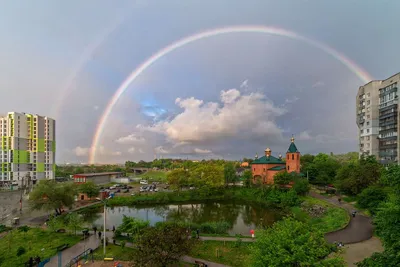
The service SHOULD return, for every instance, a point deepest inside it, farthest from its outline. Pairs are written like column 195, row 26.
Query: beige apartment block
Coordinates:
column 378, row 120
column 28, row 145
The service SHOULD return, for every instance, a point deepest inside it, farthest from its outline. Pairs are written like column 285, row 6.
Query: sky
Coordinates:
column 226, row 96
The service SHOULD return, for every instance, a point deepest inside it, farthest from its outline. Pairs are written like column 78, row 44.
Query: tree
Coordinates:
column 283, row 178
column 291, row 243
column 229, row 173
column 74, row 222
column 371, row 197
column 301, row 185
column 90, row 189
column 352, row 178
column 49, row 194
column 162, row 246
column 178, row 178
column 132, row 226
column 247, row 177
column 55, row 223
column 208, row 175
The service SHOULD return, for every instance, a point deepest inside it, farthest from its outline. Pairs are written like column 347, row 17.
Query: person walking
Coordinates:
column 113, row 228
column 95, row 229
column 198, row 233
column 99, row 235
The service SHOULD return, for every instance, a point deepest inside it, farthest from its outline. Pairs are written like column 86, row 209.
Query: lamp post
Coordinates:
column 104, row 201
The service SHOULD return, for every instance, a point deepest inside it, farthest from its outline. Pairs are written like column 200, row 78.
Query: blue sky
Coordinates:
column 66, row 59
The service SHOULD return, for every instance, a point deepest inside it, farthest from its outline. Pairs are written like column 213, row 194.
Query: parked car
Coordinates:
column 143, row 182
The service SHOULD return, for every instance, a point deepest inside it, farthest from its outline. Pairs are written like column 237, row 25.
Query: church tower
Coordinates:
column 292, row 158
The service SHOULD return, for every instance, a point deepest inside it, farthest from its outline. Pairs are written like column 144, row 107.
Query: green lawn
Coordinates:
column 36, row 242
column 334, row 218
column 113, row 251
column 155, row 175
column 350, row 199
column 229, row 253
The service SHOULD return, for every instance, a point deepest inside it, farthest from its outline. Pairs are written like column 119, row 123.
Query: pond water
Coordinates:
column 243, row 217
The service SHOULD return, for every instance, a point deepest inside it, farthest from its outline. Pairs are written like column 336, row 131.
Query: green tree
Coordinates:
column 247, row 177
column 74, row 222
column 283, row 178
column 178, row 178
column 132, row 226
column 229, row 173
column 55, row 223
column 49, row 194
column 371, row 197
column 90, row 189
column 162, row 246
column 291, row 243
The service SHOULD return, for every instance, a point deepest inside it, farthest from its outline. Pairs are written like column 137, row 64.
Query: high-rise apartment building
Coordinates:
column 27, row 148
column 378, row 120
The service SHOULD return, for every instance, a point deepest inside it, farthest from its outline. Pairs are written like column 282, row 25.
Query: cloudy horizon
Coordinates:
column 226, row 96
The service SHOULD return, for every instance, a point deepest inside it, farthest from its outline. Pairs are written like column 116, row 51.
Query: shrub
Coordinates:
column 21, row 251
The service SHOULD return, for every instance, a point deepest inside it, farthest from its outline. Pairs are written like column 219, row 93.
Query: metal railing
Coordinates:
column 75, row 260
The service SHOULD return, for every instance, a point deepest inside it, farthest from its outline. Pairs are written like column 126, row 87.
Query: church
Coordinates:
column 265, row 168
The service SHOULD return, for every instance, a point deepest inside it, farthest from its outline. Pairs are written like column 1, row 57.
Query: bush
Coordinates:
column 371, row 197
column 21, row 251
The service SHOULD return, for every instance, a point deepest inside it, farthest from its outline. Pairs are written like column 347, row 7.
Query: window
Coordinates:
column 287, row 157
column 254, row 169
column 298, row 156
column 288, row 167
column 367, row 130
column 368, row 102
column 367, row 122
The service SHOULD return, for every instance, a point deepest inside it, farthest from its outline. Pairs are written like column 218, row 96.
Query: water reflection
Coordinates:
column 242, row 217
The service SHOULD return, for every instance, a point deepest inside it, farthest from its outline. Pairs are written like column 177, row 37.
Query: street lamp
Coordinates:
column 104, row 201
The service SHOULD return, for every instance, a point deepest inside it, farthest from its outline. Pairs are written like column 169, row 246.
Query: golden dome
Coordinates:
column 267, row 149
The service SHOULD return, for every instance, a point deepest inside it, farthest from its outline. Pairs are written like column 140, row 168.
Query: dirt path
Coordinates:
column 359, row 251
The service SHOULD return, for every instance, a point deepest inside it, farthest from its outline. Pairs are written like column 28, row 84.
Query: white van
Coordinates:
column 143, row 182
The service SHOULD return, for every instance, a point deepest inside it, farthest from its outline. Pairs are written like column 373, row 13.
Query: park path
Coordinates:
column 94, row 242
column 359, row 229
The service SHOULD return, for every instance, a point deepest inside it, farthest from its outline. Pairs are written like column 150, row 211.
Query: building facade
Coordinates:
column 378, row 120
column 28, row 146
column 97, row 178
column 264, row 168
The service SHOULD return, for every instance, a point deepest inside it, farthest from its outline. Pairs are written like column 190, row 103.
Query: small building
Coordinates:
column 97, row 178
column 103, row 194
column 264, row 168
column 244, row 164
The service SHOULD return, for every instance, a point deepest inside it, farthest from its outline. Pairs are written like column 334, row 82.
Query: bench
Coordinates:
column 62, row 247
column 200, row 264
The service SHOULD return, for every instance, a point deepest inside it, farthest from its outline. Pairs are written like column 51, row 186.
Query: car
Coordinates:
column 155, row 190
column 143, row 182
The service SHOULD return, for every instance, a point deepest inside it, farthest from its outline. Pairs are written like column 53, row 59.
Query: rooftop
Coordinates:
column 268, row 160
column 96, row 174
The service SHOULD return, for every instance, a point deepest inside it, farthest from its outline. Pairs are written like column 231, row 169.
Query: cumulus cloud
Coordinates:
column 304, row 136
column 202, row 151
column 131, row 150
column 131, row 139
column 237, row 115
column 81, row 151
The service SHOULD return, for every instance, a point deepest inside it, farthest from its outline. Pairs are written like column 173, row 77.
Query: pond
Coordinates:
column 243, row 217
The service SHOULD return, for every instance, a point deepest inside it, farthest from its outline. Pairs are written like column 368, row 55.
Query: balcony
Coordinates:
column 386, row 154
column 388, row 122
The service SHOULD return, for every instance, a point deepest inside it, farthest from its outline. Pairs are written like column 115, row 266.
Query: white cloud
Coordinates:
column 318, row 84
column 202, row 151
column 244, row 84
column 81, row 151
column 161, row 150
column 239, row 115
column 303, row 136
column 131, row 150
column 130, row 139
column 141, row 151
column 291, row 100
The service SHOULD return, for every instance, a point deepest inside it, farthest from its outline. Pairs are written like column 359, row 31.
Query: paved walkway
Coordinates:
column 68, row 254
column 359, row 229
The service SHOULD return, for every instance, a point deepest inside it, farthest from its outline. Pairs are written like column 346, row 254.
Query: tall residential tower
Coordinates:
column 378, row 120
column 27, row 148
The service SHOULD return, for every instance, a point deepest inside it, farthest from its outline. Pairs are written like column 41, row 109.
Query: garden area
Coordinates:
column 18, row 245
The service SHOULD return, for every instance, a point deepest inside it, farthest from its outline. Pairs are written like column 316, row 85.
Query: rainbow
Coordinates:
column 353, row 67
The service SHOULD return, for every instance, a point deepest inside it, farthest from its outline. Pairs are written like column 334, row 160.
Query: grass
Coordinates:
column 114, row 251
column 36, row 242
column 350, row 199
column 335, row 218
column 229, row 253
column 154, row 175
